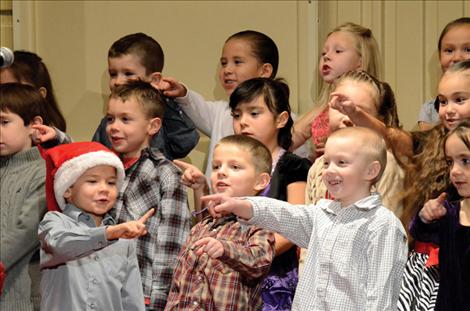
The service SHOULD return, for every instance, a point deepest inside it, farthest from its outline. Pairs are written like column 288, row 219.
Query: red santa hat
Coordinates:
column 66, row 163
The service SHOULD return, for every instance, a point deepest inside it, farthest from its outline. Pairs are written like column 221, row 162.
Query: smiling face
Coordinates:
column 454, row 98
column 346, row 169
column 128, row 128
column 458, row 157
column 94, row 192
column 339, row 55
column 455, row 46
column 238, row 64
column 233, row 172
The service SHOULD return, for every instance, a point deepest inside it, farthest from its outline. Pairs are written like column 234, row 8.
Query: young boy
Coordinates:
column 139, row 57
column 22, row 199
column 86, row 261
column 134, row 116
column 223, row 262
column 356, row 247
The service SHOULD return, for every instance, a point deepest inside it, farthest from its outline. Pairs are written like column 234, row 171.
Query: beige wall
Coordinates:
column 73, row 38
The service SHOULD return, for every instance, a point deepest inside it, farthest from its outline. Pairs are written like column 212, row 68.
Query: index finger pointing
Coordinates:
column 147, row 215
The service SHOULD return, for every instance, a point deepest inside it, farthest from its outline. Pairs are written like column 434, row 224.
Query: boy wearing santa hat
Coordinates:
column 87, row 260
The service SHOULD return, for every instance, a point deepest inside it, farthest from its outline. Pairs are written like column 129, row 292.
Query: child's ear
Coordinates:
column 154, row 126
column 156, row 79
column 373, row 171
column 262, row 181
column 37, row 120
column 68, row 194
column 266, row 70
column 43, row 91
column 282, row 119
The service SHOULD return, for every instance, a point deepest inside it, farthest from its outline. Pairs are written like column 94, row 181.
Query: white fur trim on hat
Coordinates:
column 68, row 173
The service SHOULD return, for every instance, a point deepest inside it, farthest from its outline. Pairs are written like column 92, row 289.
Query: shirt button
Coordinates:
column 92, row 305
column 97, row 257
column 95, row 281
column 195, row 303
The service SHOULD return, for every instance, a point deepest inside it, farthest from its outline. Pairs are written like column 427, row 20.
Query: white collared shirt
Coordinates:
column 356, row 255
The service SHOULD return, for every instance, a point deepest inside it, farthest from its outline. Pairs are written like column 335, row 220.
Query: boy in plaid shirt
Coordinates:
column 223, row 262
column 134, row 116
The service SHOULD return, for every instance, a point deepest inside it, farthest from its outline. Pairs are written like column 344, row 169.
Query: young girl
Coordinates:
column 358, row 99
column 245, row 55
column 427, row 178
column 260, row 109
column 28, row 68
column 447, row 223
column 348, row 47
column 453, row 46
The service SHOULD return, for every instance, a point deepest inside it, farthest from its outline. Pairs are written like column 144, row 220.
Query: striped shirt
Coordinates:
column 230, row 282
column 356, row 255
column 154, row 182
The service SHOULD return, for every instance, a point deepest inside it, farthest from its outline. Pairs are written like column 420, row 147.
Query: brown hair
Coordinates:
column 23, row 100
column 458, row 22
column 150, row 99
column 29, row 68
column 147, row 49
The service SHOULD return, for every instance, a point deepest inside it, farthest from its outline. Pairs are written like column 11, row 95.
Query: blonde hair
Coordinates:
column 373, row 146
column 262, row 160
column 366, row 47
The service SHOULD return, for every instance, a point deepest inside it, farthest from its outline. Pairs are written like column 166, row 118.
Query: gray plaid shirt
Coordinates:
column 356, row 255
column 154, row 182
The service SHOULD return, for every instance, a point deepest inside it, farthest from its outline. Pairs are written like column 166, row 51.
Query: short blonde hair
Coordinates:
column 372, row 145
column 261, row 155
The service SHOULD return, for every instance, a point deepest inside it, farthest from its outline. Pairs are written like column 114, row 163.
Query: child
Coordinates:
column 22, row 199
column 453, row 47
column 357, row 247
column 260, row 109
column 86, row 261
column 358, row 99
column 448, row 224
column 222, row 262
column 28, row 68
column 348, row 47
column 245, row 55
column 134, row 116
column 427, row 179
column 139, row 57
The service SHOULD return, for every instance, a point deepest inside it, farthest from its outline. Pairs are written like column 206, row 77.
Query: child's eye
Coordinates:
column 342, row 162
column 326, row 164
column 223, row 63
column 460, row 100
column 236, row 167
column 449, row 162
column 254, row 113
column 4, row 122
column 235, row 115
column 109, row 119
column 467, row 49
column 112, row 182
column 126, row 119
column 238, row 62
column 448, row 51
column 129, row 74
column 338, row 51
column 442, row 101
column 465, row 161
column 91, row 181
column 112, row 74
column 215, row 167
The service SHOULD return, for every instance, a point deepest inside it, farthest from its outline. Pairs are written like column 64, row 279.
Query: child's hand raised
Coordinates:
column 171, row 87
column 130, row 229
column 433, row 209
column 210, row 246
column 192, row 176
column 43, row 133
column 342, row 103
column 220, row 205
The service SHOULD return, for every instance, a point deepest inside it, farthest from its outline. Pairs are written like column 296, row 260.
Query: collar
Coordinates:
column 147, row 153
column 81, row 216
column 365, row 204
